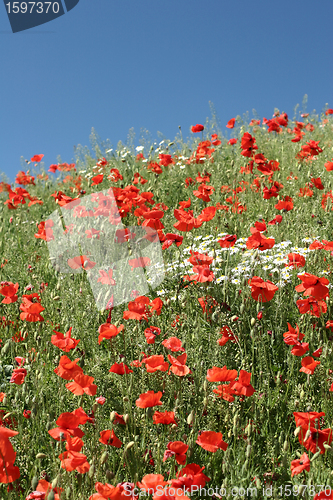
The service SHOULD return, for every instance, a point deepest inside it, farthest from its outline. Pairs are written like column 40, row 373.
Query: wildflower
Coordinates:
column 64, row 341
column 312, row 285
column 151, row 333
column 82, row 384
column 197, row 128
column 166, row 418
column 217, row 374
column 149, row 399
column 177, row 449
column 211, row 441
column 174, row 344
column 68, row 369
column 151, row 482
column 242, row 386
column 156, row 363
column 231, row 123
column 298, row 466
column 9, row 290
column 108, row 331
column 265, row 290
column 109, row 438
column 120, row 369
column 178, row 366
column 309, row 365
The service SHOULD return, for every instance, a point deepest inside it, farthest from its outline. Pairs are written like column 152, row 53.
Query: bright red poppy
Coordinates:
column 149, row 399
column 262, row 290
column 211, row 441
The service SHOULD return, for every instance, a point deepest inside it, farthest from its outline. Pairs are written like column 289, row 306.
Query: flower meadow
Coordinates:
column 221, row 376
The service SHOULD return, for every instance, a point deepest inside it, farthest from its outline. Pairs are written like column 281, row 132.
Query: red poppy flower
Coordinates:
column 233, row 141
column 211, row 441
column 295, row 260
column 149, row 399
column 322, row 495
column 309, row 365
column 228, row 241
column 311, row 306
column 64, row 342
column 106, row 277
column 292, row 336
column 9, row 290
column 263, row 290
column 176, row 449
column 97, row 179
column 108, row 331
column 197, row 128
column 171, row 238
column 312, row 285
column 120, row 369
column 298, row 466
column 191, row 475
column 150, row 482
column 286, row 204
column 68, row 369
column 81, row 261
column 178, row 366
column 174, row 344
column 242, row 386
column 231, row 123
column 217, row 374
column 156, row 363
column 31, row 310
column 165, row 418
column 109, row 438
column 225, row 392
column 150, row 334
column 73, row 460
column 313, row 438
column 257, row 240
column 227, row 335
column 18, row 376
column 308, row 419
column 82, row 384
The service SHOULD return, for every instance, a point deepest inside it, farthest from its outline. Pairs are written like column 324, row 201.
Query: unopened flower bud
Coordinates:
column 112, row 416
column 253, row 321
column 297, row 431
column 190, row 418
column 104, row 457
column 126, row 418
column 55, row 481
column 91, row 471
column 129, row 445
column 40, row 456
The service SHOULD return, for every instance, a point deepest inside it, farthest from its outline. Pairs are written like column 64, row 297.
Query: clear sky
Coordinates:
column 155, row 65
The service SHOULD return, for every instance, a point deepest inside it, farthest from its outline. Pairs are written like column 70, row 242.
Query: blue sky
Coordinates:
column 155, row 65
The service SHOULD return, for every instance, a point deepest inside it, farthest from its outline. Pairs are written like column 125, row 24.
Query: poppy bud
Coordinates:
column 232, row 163
column 174, row 427
column 259, row 315
column 248, row 450
column 327, row 446
column 56, row 297
column 91, row 472
column 205, row 402
column 285, row 446
column 316, row 455
column 104, row 457
column 112, row 416
column 297, row 431
column 40, row 456
column 126, row 418
column 4, row 400
column 302, row 394
column 307, row 435
column 230, row 434
column 95, row 406
column 68, row 492
column 55, row 482
column 6, row 347
column 253, row 321
column 258, row 483
column 248, row 429
column 190, row 418
column 34, row 482
column 205, row 385
column 241, row 309
column 129, row 445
